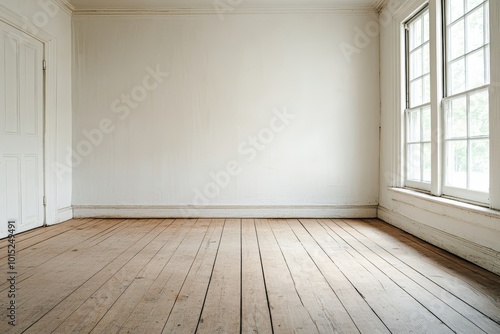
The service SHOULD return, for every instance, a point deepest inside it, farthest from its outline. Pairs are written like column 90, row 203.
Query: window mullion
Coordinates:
column 494, row 101
column 436, row 86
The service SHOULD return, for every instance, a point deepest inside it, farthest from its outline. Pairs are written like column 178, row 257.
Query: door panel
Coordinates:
column 21, row 130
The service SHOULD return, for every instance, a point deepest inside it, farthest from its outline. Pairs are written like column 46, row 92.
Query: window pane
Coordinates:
column 475, row 29
column 416, row 93
column 457, row 76
column 416, row 33
column 414, row 126
column 426, row 27
column 479, row 114
column 413, row 163
column 456, row 37
column 426, row 59
column 480, row 165
column 471, row 4
column 457, row 118
column 456, row 163
column 475, row 69
column 455, row 9
column 416, row 63
column 426, row 124
column 426, row 163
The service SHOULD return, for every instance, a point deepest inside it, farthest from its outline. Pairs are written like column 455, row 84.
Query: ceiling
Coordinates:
column 176, row 4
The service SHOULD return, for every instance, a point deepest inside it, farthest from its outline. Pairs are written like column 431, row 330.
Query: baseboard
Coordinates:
column 482, row 256
column 64, row 214
column 323, row 211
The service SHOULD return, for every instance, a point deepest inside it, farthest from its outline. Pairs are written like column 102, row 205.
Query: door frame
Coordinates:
column 49, row 109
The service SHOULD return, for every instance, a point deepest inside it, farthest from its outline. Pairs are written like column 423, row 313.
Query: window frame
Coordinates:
column 463, row 194
column 419, row 185
column 397, row 177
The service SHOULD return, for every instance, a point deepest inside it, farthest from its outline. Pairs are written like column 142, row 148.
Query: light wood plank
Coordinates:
column 63, row 247
column 467, row 285
column 454, row 320
column 86, row 317
column 283, row 276
column 46, row 232
column 316, row 294
column 399, row 311
column 289, row 314
column 75, row 300
column 256, row 317
column 59, row 281
column 222, row 306
column 189, row 302
column 145, row 307
column 359, row 310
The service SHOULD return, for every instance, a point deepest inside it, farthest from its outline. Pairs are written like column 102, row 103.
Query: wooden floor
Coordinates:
column 243, row 276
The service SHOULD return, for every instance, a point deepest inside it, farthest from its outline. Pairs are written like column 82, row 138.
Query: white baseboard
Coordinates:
column 482, row 256
column 323, row 211
column 64, row 214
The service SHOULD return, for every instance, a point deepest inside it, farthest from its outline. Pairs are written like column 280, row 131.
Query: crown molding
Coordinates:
column 65, row 5
column 213, row 11
column 379, row 4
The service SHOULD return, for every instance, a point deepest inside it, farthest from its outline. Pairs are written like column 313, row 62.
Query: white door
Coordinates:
column 21, row 130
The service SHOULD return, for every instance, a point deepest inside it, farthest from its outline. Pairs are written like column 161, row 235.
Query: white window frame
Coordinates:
column 401, row 13
column 461, row 193
column 425, row 186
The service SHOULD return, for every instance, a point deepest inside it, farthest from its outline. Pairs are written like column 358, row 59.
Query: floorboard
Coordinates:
column 243, row 276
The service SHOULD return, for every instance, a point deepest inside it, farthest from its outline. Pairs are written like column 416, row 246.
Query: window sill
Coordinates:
column 474, row 214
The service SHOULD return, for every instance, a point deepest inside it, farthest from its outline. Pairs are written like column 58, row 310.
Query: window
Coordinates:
column 447, row 138
column 418, row 110
column 466, row 110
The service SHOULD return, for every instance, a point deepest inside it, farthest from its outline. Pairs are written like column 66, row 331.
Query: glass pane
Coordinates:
column 471, row 4
column 413, row 163
column 426, row 59
column 414, row 126
column 457, row 118
column 416, row 93
column 416, row 63
column 456, row 164
column 480, row 165
column 479, row 114
column 426, row 162
column 475, row 29
column 457, row 77
column 426, row 124
column 487, row 28
column 426, row 27
column 475, row 69
column 455, row 9
column 456, row 37
column 416, row 33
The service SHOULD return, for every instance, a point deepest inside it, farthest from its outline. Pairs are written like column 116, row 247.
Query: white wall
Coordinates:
column 44, row 18
column 225, row 79
column 469, row 231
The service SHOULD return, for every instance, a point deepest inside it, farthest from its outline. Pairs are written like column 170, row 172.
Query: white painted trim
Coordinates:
column 64, row 214
column 495, row 104
column 213, row 11
column 139, row 211
column 458, row 210
column 50, row 140
column 483, row 256
column 65, row 5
